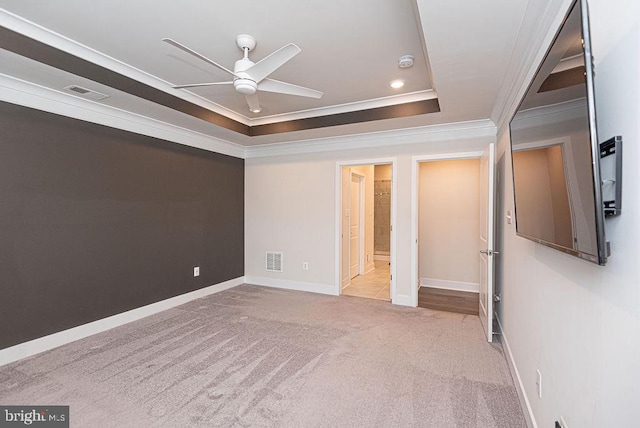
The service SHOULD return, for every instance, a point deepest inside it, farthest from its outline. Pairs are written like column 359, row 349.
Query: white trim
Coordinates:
column 522, row 395
column 338, row 219
column 402, row 300
column 42, row 344
column 369, row 268
column 472, row 287
column 361, row 222
column 428, row 94
column 37, row 32
column 522, row 68
column 287, row 284
column 397, row 137
column 17, row 91
column 415, row 172
column 32, row 30
column 546, row 115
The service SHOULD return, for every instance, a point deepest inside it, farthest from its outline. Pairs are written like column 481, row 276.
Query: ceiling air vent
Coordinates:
column 274, row 261
column 86, row 93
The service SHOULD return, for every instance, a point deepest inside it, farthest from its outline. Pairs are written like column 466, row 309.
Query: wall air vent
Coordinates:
column 86, row 93
column 274, row 261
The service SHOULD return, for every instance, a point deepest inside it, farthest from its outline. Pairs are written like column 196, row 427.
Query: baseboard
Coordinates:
column 402, row 300
column 381, row 257
column 292, row 285
column 345, row 284
column 42, row 344
column 515, row 374
column 369, row 268
column 450, row 285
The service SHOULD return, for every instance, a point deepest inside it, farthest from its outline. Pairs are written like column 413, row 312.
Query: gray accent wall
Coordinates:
column 95, row 221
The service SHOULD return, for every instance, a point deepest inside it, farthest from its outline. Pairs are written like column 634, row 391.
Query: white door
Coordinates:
column 345, row 268
column 354, row 226
column 487, row 253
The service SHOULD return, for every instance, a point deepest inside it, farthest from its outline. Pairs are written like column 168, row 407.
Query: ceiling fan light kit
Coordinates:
column 250, row 77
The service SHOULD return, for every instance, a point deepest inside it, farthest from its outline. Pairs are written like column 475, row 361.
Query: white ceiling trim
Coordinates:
column 37, row 32
column 533, row 44
column 424, row 134
column 569, row 63
column 51, row 38
column 559, row 112
column 17, row 91
column 28, row 94
column 428, row 94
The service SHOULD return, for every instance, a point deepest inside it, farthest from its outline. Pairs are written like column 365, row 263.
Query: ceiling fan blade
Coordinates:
column 271, row 85
column 254, row 104
column 194, row 85
column 197, row 55
column 268, row 65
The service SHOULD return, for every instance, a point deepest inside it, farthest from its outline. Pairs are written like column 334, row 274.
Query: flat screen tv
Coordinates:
column 554, row 148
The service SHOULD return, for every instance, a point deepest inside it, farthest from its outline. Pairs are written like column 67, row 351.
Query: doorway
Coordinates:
column 448, row 230
column 364, row 234
column 445, row 231
column 455, row 215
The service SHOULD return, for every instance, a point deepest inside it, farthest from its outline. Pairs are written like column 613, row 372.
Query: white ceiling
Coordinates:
column 350, row 52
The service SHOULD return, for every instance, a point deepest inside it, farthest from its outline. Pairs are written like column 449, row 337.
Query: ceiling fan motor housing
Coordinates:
column 245, row 86
column 243, row 83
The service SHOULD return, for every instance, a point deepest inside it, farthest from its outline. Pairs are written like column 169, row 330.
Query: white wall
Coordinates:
column 290, row 206
column 576, row 322
column 449, row 223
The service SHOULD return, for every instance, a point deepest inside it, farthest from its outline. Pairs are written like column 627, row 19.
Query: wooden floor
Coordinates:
column 462, row 302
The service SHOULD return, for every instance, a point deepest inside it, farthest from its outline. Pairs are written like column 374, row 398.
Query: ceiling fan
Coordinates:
column 250, row 77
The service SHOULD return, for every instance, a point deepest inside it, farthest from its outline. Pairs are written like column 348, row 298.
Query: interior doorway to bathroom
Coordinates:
column 366, row 230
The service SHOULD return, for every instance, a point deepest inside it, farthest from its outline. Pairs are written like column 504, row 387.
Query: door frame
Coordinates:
column 393, row 161
column 361, row 221
column 415, row 176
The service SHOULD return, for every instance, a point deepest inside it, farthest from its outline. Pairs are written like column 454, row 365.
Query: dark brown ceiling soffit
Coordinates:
column 563, row 79
column 380, row 113
column 43, row 53
column 38, row 51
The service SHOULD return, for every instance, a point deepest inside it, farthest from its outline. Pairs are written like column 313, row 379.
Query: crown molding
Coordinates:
column 428, row 94
column 548, row 114
column 401, row 137
column 44, row 35
column 17, row 91
column 521, row 69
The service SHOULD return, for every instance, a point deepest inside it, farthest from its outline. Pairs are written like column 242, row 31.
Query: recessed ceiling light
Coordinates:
column 255, row 110
column 396, row 84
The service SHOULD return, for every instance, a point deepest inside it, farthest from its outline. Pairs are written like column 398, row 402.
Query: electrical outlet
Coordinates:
column 305, row 265
column 539, row 383
column 196, row 271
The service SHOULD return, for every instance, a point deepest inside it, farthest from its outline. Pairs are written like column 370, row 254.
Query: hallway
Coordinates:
column 373, row 285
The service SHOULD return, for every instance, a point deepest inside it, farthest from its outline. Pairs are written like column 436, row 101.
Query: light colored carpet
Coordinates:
column 260, row 357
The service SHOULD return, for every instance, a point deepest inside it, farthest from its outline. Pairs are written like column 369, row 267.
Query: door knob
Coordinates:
column 489, row 252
